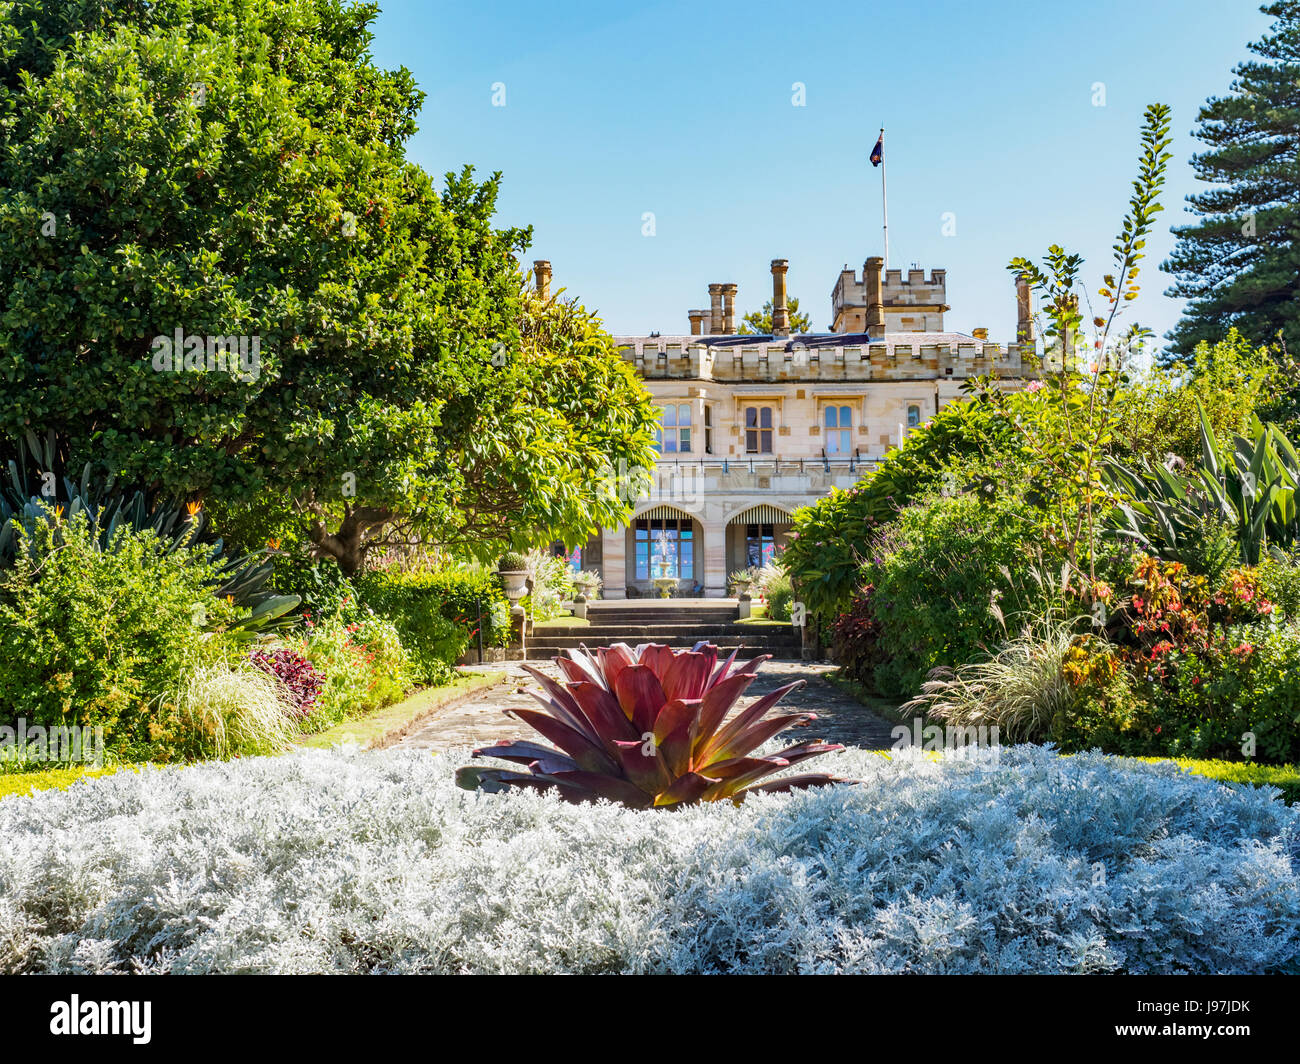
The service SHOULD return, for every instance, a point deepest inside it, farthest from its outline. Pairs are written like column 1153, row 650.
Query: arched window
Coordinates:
column 839, row 429
column 913, row 416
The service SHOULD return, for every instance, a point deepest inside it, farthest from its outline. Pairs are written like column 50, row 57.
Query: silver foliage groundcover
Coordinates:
column 356, row 862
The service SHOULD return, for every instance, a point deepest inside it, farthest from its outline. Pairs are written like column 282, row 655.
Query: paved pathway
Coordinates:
column 481, row 720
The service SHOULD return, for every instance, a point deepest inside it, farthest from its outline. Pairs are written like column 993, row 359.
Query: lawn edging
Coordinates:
column 386, row 726
column 22, row 784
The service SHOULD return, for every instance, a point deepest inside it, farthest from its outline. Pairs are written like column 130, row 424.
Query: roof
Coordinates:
column 812, row 340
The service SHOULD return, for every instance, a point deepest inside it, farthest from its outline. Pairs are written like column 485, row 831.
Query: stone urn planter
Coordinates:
column 514, row 582
column 513, row 571
column 585, row 584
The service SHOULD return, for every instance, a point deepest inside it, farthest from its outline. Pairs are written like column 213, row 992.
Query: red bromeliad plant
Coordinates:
column 645, row 727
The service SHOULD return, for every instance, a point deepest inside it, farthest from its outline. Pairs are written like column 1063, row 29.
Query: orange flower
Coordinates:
column 192, row 508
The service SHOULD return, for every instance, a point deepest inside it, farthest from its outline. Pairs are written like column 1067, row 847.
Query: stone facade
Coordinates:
column 754, row 427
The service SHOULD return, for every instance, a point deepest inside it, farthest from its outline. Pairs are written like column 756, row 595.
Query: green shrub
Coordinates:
column 948, row 577
column 1232, row 380
column 1107, row 713
column 436, row 613
column 1279, row 579
column 364, row 664
column 99, row 638
column 324, row 590
column 775, row 585
column 1245, row 683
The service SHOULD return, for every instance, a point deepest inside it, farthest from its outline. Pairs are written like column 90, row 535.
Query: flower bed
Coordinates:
column 378, row 863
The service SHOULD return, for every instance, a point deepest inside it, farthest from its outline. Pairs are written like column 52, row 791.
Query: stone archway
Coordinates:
column 663, row 541
column 755, row 533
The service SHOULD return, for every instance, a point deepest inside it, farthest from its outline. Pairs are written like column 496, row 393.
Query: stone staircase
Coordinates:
column 675, row 622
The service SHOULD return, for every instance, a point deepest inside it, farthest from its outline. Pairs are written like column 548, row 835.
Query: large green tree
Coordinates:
column 233, row 172
column 1239, row 264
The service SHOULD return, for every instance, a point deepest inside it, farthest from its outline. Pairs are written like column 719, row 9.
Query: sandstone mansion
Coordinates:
column 753, row 427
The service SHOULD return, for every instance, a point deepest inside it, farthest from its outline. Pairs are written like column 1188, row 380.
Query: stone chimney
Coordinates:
column 873, row 285
column 780, row 313
column 542, row 277
column 728, row 308
column 715, row 309
column 1024, row 311
column 697, row 321
column 980, row 334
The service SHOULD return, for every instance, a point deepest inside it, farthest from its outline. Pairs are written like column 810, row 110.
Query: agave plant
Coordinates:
column 30, row 492
column 648, row 728
column 1249, row 487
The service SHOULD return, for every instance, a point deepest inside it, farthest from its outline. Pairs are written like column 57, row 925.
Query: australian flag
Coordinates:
column 878, row 152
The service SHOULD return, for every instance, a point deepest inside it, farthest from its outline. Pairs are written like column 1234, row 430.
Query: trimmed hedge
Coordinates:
column 435, row 612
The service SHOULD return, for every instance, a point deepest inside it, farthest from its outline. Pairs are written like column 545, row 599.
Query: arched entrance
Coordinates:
column 664, row 542
column 756, row 534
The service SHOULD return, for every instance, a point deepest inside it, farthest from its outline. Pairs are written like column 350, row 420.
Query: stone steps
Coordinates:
column 783, row 642
column 642, row 633
column 673, row 622
column 659, row 617
column 747, row 650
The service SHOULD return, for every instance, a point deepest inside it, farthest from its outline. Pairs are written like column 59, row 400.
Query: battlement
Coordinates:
column 780, row 361
column 916, row 287
column 912, row 303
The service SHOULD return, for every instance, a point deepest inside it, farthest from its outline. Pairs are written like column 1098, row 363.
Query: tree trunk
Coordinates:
column 348, row 545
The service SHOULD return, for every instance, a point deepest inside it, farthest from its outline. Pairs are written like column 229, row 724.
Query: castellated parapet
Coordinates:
column 889, row 360
column 913, row 303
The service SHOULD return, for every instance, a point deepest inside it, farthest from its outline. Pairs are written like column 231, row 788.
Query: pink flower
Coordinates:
column 1034, row 386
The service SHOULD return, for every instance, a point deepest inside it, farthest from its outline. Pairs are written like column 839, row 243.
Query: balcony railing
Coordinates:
column 771, row 463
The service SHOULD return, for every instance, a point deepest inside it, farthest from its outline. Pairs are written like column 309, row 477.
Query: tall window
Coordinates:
column 674, row 433
column 708, row 430
column 758, row 430
column 760, row 544
column 664, row 547
column 839, row 429
column 913, row 416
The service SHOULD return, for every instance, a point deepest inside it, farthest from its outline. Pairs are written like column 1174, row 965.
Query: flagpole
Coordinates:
column 884, row 196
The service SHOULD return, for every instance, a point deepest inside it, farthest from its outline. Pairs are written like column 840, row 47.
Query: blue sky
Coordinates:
column 685, row 110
